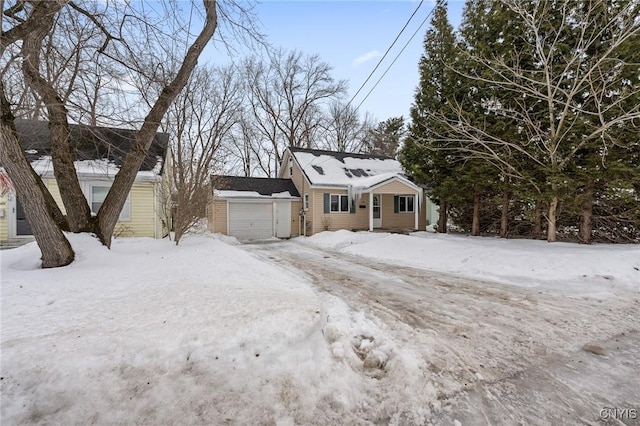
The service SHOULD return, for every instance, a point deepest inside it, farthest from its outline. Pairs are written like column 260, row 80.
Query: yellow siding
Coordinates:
column 142, row 221
column 143, row 207
column 52, row 186
column 217, row 216
column 4, row 218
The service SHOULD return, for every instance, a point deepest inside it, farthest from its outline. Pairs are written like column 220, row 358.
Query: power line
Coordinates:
column 398, row 55
column 385, row 53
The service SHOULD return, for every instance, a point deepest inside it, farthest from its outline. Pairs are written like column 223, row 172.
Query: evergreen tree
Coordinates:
column 384, row 139
column 424, row 154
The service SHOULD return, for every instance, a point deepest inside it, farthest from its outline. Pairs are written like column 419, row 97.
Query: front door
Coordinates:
column 377, row 211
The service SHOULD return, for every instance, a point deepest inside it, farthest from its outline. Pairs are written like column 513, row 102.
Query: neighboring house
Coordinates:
column 99, row 153
column 333, row 190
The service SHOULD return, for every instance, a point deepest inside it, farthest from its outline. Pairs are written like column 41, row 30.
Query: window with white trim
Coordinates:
column 306, row 202
column 405, row 203
column 99, row 192
column 339, row 203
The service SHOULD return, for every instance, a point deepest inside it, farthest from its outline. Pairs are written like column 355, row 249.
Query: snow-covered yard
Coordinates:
column 339, row 328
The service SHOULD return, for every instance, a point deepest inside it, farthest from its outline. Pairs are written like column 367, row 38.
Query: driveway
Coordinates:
column 494, row 353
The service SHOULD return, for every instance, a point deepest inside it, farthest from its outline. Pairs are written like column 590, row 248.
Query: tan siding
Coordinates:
column 218, row 216
column 4, row 220
column 394, row 187
column 391, row 220
column 334, row 221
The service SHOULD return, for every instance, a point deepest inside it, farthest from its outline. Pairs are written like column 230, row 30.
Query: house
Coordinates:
column 321, row 190
column 99, row 153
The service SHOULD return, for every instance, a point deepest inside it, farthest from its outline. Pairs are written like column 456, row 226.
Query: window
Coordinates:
column 339, row 203
column 99, row 193
column 306, row 202
column 405, row 203
column 291, row 171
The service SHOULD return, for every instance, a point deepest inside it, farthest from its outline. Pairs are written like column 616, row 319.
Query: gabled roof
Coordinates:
column 238, row 186
column 91, row 143
column 343, row 169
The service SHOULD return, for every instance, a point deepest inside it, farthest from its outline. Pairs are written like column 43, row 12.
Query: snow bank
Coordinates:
column 200, row 333
column 148, row 332
column 597, row 270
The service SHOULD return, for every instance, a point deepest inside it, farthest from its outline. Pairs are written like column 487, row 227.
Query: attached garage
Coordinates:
column 254, row 208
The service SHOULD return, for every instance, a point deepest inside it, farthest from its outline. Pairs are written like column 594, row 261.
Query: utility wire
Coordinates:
column 397, row 56
column 385, row 53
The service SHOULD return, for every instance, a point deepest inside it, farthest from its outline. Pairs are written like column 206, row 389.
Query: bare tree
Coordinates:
column 33, row 21
column 200, row 120
column 344, row 130
column 286, row 93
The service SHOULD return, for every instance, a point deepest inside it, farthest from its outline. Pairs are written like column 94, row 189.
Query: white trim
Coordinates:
column 397, row 177
column 227, row 231
column 340, row 204
column 11, row 215
column 406, row 203
column 125, row 213
column 370, row 211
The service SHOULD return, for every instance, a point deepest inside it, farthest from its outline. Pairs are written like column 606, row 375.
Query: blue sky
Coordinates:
column 352, row 36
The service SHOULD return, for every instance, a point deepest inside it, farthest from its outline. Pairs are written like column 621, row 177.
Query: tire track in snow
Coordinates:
column 472, row 333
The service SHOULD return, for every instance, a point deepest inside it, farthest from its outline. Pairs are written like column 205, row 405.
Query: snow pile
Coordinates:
column 153, row 333
column 597, row 270
column 340, row 239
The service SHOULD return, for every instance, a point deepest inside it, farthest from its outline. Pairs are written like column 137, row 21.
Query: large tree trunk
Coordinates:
column 442, row 217
column 551, row 220
column 475, row 222
column 537, row 220
column 504, row 216
column 110, row 210
column 55, row 248
column 584, row 236
column 78, row 212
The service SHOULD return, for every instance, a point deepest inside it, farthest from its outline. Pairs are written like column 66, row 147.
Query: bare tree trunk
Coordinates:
column 475, row 223
column 584, row 236
column 442, row 217
column 75, row 203
column 537, row 226
column 504, row 217
column 110, row 210
column 551, row 220
column 55, row 248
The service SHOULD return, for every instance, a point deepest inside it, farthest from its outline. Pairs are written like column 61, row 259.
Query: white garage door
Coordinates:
column 251, row 220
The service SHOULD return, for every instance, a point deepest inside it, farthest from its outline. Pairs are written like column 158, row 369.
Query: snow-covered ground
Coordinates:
column 581, row 270
column 212, row 332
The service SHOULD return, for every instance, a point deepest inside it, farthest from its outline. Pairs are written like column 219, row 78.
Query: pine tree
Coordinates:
column 424, row 155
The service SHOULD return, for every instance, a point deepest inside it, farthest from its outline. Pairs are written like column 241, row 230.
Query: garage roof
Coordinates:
column 253, row 186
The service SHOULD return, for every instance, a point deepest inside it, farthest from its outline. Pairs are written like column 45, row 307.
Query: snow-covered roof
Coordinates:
column 329, row 168
column 253, row 187
column 101, row 168
column 97, row 150
column 251, row 194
